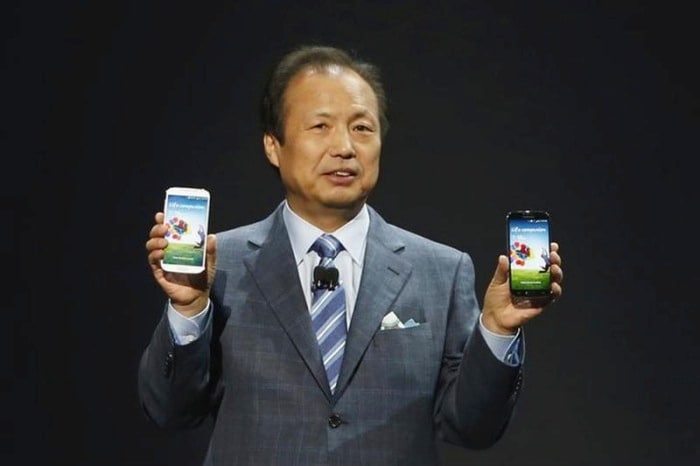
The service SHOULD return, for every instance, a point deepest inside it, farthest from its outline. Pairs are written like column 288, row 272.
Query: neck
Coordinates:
column 327, row 219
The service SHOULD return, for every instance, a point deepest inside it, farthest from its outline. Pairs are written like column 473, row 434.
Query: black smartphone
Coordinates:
column 528, row 251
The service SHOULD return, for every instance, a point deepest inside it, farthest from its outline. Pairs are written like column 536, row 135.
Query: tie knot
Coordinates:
column 327, row 246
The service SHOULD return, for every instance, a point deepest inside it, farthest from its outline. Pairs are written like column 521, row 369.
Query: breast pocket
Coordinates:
column 404, row 358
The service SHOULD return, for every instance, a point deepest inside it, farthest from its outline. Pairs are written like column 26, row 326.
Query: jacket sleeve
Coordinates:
column 476, row 392
column 175, row 385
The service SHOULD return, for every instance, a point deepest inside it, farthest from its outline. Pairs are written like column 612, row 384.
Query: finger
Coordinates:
column 553, row 246
column 554, row 258
column 155, row 244
column 158, row 231
column 500, row 276
column 159, row 217
column 556, row 291
column 155, row 256
column 557, row 273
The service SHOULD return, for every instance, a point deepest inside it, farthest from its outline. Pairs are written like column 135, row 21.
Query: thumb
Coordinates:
column 500, row 276
column 211, row 259
column 211, row 249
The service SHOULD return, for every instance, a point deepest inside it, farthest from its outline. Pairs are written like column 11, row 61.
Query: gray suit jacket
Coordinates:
column 258, row 370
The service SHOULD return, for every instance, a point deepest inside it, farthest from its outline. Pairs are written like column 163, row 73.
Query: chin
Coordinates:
column 346, row 203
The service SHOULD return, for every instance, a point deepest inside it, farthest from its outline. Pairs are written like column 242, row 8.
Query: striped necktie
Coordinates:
column 328, row 307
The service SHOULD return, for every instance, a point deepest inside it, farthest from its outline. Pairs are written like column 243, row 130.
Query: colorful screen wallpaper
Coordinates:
column 529, row 254
column 186, row 218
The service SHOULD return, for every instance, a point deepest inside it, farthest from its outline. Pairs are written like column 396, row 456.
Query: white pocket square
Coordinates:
column 391, row 321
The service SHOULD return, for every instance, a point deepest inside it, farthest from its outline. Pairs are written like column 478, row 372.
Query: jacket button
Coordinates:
column 334, row 421
column 168, row 364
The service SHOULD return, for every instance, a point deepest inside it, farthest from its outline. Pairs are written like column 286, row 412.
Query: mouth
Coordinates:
column 344, row 173
column 341, row 178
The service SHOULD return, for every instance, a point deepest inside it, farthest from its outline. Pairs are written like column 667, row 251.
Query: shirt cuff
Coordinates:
column 187, row 329
column 505, row 347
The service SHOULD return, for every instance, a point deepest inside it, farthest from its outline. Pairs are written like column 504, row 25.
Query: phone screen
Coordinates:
column 186, row 215
column 528, row 244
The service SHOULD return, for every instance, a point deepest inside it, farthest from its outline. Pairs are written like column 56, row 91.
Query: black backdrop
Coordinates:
column 586, row 109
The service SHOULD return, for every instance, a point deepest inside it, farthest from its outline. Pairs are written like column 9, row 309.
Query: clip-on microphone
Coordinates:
column 325, row 278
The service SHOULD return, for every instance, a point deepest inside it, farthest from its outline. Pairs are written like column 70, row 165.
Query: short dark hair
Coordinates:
column 315, row 57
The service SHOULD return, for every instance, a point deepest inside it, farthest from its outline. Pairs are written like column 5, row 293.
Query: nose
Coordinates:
column 342, row 144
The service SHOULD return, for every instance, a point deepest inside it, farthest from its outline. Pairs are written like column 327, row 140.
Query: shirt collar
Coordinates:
column 302, row 234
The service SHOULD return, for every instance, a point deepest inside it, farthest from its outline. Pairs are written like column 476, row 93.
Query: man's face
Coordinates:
column 329, row 162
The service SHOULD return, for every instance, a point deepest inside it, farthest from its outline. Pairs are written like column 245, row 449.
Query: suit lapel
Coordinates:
column 275, row 272
column 384, row 275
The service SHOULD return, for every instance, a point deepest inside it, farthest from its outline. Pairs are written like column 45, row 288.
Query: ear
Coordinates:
column 272, row 149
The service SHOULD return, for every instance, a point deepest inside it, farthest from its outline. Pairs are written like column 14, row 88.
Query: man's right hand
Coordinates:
column 188, row 293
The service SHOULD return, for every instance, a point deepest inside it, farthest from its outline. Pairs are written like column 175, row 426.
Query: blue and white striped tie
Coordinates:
column 328, row 312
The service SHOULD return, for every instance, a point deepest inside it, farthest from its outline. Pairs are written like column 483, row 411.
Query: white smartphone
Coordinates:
column 186, row 214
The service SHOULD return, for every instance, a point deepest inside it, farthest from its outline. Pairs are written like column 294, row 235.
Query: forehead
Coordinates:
column 329, row 86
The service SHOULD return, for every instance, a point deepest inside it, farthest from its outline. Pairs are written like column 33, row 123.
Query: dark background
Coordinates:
column 587, row 109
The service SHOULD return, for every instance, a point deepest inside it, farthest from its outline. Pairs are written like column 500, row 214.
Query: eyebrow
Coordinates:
column 357, row 114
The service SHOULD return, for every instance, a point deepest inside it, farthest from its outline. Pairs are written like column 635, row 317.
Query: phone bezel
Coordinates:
column 533, row 297
column 196, row 192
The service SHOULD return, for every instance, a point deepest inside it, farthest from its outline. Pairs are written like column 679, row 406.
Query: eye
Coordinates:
column 320, row 126
column 363, row 128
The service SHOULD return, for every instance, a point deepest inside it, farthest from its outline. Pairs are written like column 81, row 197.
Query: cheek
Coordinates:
column 288, row 171
column 298, row 169
column 372, row 160
column 371, row 167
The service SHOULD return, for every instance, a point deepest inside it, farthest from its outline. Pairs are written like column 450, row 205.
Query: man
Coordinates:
column 248, row 344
